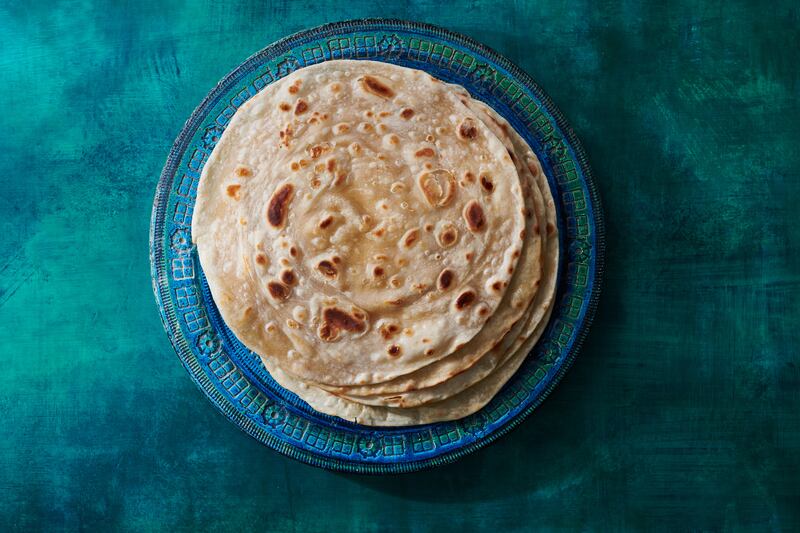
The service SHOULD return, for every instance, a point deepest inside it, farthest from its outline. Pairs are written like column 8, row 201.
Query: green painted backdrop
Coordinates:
column 683, row 410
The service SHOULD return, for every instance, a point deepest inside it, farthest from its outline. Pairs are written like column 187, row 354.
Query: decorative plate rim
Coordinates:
column 160, row 280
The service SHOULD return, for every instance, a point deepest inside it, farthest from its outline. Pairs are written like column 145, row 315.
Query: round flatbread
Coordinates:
column 343, row 227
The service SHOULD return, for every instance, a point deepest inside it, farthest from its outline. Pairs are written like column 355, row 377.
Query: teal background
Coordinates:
column 681, row 412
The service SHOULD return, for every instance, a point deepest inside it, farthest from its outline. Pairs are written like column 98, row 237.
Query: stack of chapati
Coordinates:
column 385, row 243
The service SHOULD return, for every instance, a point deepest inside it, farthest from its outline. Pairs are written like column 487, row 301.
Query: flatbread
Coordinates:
column 385, row 243
column 344, row 229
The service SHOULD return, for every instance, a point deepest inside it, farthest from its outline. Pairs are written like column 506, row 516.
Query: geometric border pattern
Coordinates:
column 233, row 377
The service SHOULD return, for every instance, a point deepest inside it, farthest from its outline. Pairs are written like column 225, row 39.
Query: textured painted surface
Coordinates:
column 681, row 411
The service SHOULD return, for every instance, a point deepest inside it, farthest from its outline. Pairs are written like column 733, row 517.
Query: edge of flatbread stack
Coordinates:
column 384, row 242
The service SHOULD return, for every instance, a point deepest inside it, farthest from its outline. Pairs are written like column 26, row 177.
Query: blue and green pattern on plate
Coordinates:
column 233, row 377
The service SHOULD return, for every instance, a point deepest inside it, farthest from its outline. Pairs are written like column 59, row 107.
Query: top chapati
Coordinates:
column 363, row 228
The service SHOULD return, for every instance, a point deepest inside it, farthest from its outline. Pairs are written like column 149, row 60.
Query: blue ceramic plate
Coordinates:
column 234, row 379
